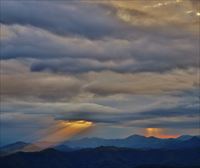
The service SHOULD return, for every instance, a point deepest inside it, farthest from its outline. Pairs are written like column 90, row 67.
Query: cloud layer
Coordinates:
column 121, row 64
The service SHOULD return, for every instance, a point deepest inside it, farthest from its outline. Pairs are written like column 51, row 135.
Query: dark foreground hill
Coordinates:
column 104, row 157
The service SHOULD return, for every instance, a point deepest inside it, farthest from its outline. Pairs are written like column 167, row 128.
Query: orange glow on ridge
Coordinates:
column 159, row 133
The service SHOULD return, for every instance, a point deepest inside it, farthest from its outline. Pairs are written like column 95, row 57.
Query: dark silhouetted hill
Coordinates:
column 104, row 157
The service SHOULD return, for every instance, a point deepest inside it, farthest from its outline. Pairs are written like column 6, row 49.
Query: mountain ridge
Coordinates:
column 133, row 141
column 104, row 157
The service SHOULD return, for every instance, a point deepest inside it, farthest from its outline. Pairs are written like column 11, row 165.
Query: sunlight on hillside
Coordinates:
column 59, row 133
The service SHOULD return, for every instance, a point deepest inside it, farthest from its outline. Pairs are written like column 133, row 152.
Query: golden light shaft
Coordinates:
column 59, row 133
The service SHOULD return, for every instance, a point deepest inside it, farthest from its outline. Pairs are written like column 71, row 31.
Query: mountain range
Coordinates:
column 133, row 141
column 132, row 152
column 137, row 142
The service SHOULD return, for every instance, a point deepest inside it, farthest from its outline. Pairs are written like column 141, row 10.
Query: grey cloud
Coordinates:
column 178, row 124
column 99, row 114
column 63, row 18
column 45, row 86
column 122, row 116
column 184, row 124
column 82, row 65
column 39, row 86
column 59, row 57
column 21, row 120
column 73, row 65
column 40, row 36
column 140, row 119
column 195, row 4
column 174, row 112
column 103, row 114
column 93, row 19
column 62, row 54
column 109, row 83
column 58, row 108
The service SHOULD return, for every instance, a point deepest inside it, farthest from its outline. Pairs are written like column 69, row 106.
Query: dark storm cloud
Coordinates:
column 64, row 18
column 175, row 112
column 105, row 114
column 121, row 66
column 135, row 118
column 169, row 124
column 63, row 54
column 72, row 65
column 80, row 37
column 49, row 31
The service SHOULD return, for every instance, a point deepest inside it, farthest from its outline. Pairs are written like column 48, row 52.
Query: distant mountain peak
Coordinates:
column 185, row 137
column 135, row 136
column 20, row 142
column 134, row 141
column 16, row 144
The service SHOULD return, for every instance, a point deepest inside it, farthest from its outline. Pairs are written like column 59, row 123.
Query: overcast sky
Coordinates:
column 125, row 66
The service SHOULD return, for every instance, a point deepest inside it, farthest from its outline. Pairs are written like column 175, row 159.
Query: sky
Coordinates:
column 89, row 68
